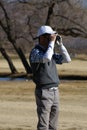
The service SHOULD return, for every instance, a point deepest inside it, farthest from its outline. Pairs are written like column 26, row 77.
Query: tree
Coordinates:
column 8, row 59
column 21, row 19
column 59, row 12
column 7, row 27
column 71, row 25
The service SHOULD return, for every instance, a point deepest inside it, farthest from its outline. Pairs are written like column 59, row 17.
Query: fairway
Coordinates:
column 18, row 108
column 75, row 67
column 17, row 101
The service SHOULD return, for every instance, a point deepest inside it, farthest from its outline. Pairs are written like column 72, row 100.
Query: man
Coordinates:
column 43, row 63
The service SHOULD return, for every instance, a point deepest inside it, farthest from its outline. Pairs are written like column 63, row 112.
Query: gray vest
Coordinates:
column 45, row 74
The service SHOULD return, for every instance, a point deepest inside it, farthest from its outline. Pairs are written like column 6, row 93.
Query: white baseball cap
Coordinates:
column 45, row 30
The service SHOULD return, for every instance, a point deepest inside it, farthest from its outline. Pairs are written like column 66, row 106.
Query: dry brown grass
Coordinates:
column 18, row 108
column 17, row 101
column 76, row 67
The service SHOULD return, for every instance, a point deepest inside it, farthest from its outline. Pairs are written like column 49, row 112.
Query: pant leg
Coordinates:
column 44, row 101
column 53, row 121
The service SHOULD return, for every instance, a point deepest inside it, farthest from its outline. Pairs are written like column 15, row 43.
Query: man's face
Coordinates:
column 45, row 39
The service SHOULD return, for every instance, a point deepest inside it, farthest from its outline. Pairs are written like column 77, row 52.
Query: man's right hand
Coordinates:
column 53, row 37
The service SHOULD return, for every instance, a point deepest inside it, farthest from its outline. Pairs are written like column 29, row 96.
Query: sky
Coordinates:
column 84, row 2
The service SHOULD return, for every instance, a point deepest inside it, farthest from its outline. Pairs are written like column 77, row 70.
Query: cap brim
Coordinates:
column 54, row 32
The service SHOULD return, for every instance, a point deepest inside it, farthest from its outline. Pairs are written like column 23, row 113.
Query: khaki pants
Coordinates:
column 47, row 101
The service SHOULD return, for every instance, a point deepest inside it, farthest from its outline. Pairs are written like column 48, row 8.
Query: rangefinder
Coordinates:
column 58, row 38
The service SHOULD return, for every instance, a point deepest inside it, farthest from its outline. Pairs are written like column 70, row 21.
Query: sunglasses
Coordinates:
column 46, row 35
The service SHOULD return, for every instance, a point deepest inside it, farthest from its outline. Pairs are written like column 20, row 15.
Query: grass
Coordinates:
column 77, row 67
column 17, row 100
column 18, row 108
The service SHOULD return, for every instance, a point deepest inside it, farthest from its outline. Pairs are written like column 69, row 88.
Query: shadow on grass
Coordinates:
column 24, row 76
column 73, row 77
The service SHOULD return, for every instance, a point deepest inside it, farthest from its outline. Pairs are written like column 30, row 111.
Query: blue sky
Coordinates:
column 84, row 3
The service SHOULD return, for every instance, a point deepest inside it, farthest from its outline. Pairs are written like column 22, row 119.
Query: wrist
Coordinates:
column 51, row 44
column 59, row 43
column 62, row 48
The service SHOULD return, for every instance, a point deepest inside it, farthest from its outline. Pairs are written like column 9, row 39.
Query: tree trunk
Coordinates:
column 22, row 57
column 7, row 29
column 50, row 12
column 24, row 61
column 10, row 63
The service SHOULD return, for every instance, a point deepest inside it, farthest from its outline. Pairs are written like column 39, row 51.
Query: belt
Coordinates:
column 53, row 88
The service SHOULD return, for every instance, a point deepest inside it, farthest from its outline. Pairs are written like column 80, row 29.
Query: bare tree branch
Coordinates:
column 45, row 3
column 10, row 63
column 75, row 32
column 28, row 23
column 6, row 28
column 22, row 37
column 11, row 38
column 72, row 21
column 50, row 12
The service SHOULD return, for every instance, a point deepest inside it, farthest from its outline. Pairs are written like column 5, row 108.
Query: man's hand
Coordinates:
column 53, row 37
